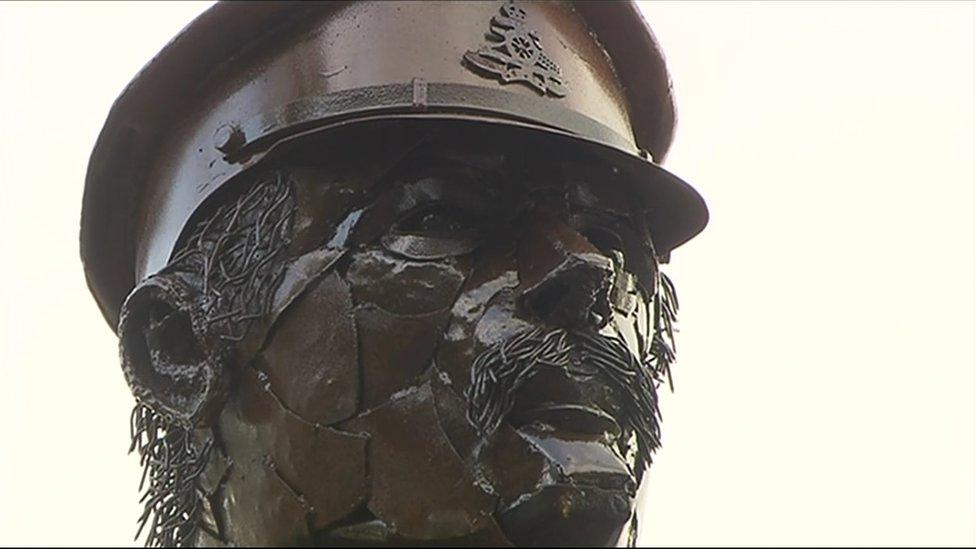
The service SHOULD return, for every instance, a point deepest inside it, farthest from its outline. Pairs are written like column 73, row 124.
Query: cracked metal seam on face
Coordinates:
column 266, row 386
column 432, row 368
column 260, row 432
column 294, row 491
column 405, row 491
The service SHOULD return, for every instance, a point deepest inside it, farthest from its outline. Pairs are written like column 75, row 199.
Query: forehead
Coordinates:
column 469, row 166
column 341, row 170
column 383, row 175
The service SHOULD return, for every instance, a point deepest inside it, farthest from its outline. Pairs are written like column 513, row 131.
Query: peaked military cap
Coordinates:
column 246, row 78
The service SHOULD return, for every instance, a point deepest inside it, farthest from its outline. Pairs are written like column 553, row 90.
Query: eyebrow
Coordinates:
column 451, row 181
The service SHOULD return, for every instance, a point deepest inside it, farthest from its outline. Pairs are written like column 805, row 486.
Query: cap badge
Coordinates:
column 514, row 54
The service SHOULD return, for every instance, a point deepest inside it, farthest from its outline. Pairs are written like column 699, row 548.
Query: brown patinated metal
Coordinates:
column 387, row 272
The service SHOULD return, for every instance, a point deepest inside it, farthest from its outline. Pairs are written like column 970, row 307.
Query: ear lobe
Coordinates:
column 170, row 358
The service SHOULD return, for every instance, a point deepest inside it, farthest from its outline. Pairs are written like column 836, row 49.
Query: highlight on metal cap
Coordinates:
column 244, row 79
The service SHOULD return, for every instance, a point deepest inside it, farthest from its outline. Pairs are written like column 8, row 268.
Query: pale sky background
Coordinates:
column 825, row 384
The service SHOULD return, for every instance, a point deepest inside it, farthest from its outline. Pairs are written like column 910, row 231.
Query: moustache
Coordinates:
column 500, row 371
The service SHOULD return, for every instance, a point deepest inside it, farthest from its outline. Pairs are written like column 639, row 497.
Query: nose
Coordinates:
column 564, row 279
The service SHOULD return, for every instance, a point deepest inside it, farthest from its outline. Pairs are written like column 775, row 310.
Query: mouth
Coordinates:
column 568, row 417
column 571, row 421
column 583, row 390
column 584, row 407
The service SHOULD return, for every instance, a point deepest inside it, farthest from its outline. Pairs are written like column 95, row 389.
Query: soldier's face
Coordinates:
column 461, row 354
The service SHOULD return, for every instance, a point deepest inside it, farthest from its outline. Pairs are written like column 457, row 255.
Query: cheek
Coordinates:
column 401, row 311
column 285, row 475
column 395, row 350
column 633, row 328
column 484, row 307
column 404, row 287
column 630, row 315
column 418, row 482
column 311, row 359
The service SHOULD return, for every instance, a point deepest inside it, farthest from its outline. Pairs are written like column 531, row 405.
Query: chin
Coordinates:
column 557, row 515
column 568, row 515
column 587, row 499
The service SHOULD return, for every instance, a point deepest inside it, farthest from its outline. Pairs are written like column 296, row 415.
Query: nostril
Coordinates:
column 576, row 294
column 546, row 301
column 563, row 278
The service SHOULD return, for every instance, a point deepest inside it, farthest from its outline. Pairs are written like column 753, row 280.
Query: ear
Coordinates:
column 170, row 358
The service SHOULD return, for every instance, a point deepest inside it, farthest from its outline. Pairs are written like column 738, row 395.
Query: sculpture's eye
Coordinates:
column 607, row 242
column 433, row 219
column 433, row 231
column 624, row 248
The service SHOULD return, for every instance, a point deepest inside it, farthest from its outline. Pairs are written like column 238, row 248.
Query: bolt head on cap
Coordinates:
column 228, row 138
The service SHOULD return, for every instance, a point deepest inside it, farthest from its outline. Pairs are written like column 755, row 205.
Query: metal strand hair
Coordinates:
column 663, row 350
column 233, row 257
column 171, row 462
column 498, row 373
column 235, row 254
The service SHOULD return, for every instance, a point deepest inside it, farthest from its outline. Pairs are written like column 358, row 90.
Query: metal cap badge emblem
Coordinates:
column 515, row 54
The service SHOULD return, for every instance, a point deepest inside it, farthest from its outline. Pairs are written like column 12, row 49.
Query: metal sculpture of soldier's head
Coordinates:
column 388, row 273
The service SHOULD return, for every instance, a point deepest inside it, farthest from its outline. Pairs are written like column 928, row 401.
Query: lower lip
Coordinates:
column 570, row 417
column 582, row 459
